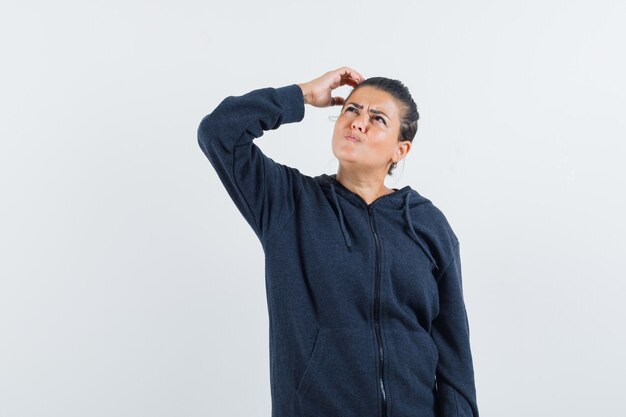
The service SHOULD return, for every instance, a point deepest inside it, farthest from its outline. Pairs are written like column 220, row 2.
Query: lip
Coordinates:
column 351, row 138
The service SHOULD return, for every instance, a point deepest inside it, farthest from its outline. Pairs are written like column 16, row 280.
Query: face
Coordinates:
column 372, row 117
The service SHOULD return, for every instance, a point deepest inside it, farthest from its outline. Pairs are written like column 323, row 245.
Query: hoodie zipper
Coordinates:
column 377, row 317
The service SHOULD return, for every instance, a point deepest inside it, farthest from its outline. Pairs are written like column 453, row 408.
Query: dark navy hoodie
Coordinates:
column 366, row 309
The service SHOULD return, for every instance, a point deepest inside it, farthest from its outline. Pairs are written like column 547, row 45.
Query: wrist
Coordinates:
column 306, row 95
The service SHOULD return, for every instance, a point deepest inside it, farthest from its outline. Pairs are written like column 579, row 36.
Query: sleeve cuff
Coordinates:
column 292, row 101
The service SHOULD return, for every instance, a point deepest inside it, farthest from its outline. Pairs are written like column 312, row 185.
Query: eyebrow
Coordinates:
column 358, row 106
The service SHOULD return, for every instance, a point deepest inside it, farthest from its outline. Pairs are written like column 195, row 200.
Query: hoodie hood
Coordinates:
column 403, row 200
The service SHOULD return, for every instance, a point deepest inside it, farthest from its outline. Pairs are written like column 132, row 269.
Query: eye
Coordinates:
column 381, row 119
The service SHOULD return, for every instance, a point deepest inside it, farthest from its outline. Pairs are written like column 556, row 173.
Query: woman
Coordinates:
column 364, row 290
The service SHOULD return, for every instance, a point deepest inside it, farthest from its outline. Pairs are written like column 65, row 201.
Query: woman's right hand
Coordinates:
column 318, row 91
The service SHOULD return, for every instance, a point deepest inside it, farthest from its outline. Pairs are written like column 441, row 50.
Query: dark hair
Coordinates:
column 409, row 115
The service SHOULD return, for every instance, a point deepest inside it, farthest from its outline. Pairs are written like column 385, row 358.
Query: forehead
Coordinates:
column 374, row 98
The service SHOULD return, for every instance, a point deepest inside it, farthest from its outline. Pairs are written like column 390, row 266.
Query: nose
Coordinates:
column 359, row 122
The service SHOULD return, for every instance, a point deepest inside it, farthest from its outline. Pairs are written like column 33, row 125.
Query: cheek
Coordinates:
column 382, row 144
column 379, row 140
column 336, row 133
column 336, row 138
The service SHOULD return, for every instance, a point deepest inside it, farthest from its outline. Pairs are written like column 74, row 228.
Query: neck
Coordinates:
column 369, row 188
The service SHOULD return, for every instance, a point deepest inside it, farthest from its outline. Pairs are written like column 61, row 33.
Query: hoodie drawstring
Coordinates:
column 407, row 217
column 412, row 231
column 341, row 221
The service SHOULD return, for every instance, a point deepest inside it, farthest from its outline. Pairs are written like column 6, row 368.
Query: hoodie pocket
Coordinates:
column 316, row 355
column 412, row 361
column 340, row 378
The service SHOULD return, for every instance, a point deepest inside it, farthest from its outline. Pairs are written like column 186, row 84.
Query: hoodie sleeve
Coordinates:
column 263, row 190
column 456, row 392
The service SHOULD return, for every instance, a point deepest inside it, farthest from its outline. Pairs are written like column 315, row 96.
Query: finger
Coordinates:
column 347, row 71
column 351, row 82
column 346, row 76
column 338, row 101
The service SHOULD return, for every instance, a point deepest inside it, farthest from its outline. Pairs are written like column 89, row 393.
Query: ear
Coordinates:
column 403, row 149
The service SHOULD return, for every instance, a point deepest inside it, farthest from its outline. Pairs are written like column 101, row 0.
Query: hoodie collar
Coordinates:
column 403, row 199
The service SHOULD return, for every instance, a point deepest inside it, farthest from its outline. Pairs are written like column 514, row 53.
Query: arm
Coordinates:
column 263, row 190
column 456, row 392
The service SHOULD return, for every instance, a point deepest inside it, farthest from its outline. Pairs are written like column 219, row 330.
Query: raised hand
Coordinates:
column 317, row 92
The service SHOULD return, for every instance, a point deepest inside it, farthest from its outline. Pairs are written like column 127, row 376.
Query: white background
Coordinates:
column 130, row 284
